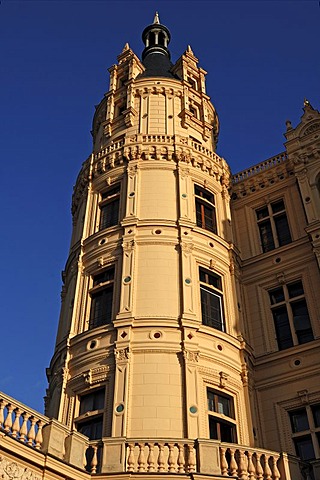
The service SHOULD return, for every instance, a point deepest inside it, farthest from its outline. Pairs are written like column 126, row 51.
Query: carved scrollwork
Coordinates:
column 13, row 471
column 191, row 356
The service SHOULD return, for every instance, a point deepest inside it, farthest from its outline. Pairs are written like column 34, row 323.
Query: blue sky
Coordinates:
column 262, row 59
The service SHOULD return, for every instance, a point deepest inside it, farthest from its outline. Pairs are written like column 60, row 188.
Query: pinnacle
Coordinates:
column 156, row 18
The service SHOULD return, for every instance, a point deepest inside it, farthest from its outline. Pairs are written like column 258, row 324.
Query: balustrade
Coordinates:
column 260, row 167
column 161, row 456
column 21, row 422
column 249, row 464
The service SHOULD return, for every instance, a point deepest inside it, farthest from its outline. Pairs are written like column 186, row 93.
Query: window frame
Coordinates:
column 311, row 433
column 91, row 417
column 273, row 237
column 215, row 291
column 220, row 419
column 98, row 291
column 283, row 306
column 204, row 202
column 108, row 197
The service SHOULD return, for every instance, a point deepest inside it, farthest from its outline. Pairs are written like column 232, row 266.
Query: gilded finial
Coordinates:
column 126, row 47
column 306, row 103
column 156, row 18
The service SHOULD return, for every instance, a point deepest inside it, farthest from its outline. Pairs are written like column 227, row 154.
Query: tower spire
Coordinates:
column 156, row 55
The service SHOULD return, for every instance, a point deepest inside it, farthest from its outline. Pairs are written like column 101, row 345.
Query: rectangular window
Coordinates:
column 101, row 298
column 306, row 431
column 211, row 299
column 273, row 226
column 109, row 208
column 290, row 315
column 222, row 425
column 205, row 209
column 90, row 420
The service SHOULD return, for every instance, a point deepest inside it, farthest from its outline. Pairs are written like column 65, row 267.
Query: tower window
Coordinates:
column 205, row 209
column 290, row 315
column 222, row 425
column 109, row 207
column 273, row 226
column 305, row 426
column 102, row 298
column 211, row 299
column 91, row 406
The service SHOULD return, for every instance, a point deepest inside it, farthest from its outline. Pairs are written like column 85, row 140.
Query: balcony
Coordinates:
column 28, row 435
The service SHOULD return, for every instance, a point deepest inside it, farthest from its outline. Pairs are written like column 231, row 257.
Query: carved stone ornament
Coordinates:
column 190, row 356
column 14, row 471
column 122, row 355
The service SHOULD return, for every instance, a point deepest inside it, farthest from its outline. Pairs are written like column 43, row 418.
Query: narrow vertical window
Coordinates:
column 102, row 298
column 205, row 209
column 273, row 226
column 211, row 299
column 290, row 315
column 109, row 208
column 222, row 425
column 90, row 419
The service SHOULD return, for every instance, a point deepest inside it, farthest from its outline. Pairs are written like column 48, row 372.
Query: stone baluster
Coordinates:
column 8, row 421
column 131, row 459
column 191, row 459
column 141, row 458
column 171, row 460
column 267, row 470
column 161, row 458
column 259, row 469
column 16, row 423
column 31, row 435
column 24, row 427
column 151, row 460
column 94, row 461
column 233, row 463
column 251, row 468
column 275, row 471
column 1, row 413
column 39, row 438
column 242, row 467
column 181, row 460
column 223, row 462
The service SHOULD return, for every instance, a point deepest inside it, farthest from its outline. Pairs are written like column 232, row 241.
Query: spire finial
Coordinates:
column 156, row 18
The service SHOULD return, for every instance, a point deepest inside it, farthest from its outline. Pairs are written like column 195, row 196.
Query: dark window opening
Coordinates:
column 211, row 299
column 109, row 208
column 205, row 209
column 290, row 315
column 102, row 299
column 220, row 428
column 273, row 226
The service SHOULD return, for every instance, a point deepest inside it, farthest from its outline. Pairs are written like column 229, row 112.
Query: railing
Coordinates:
column 260, row 167
column 21, row 422
column 247, row 464
column 161, row 456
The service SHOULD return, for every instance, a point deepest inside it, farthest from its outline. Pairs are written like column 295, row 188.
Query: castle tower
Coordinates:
column 150, row 340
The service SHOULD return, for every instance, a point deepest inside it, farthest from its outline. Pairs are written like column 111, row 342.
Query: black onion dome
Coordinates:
column 156, row 56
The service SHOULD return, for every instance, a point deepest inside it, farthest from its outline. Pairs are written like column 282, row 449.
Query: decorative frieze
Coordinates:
column 14, row 471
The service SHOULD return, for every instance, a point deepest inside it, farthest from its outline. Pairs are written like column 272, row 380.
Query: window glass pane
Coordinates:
column 295, row 289
column 109, row 193
column 92, row 428
column 210, row 278
column 92, row 401
column 316, row 414
column 282, row 227
column 276, row 295
column 301, row 321
column 109, row 214
column 224, row 406
column 211, row 308
column 227, row 432
column 211, row 398
column 262, row 213
column 282, row 326
column 201, row 192
column 209, row 219
column 277, row 206
column 299, row 420
column 266, row 236
column 213, row 431
column 103, row 277
column 101, row 307
column 304, row 447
